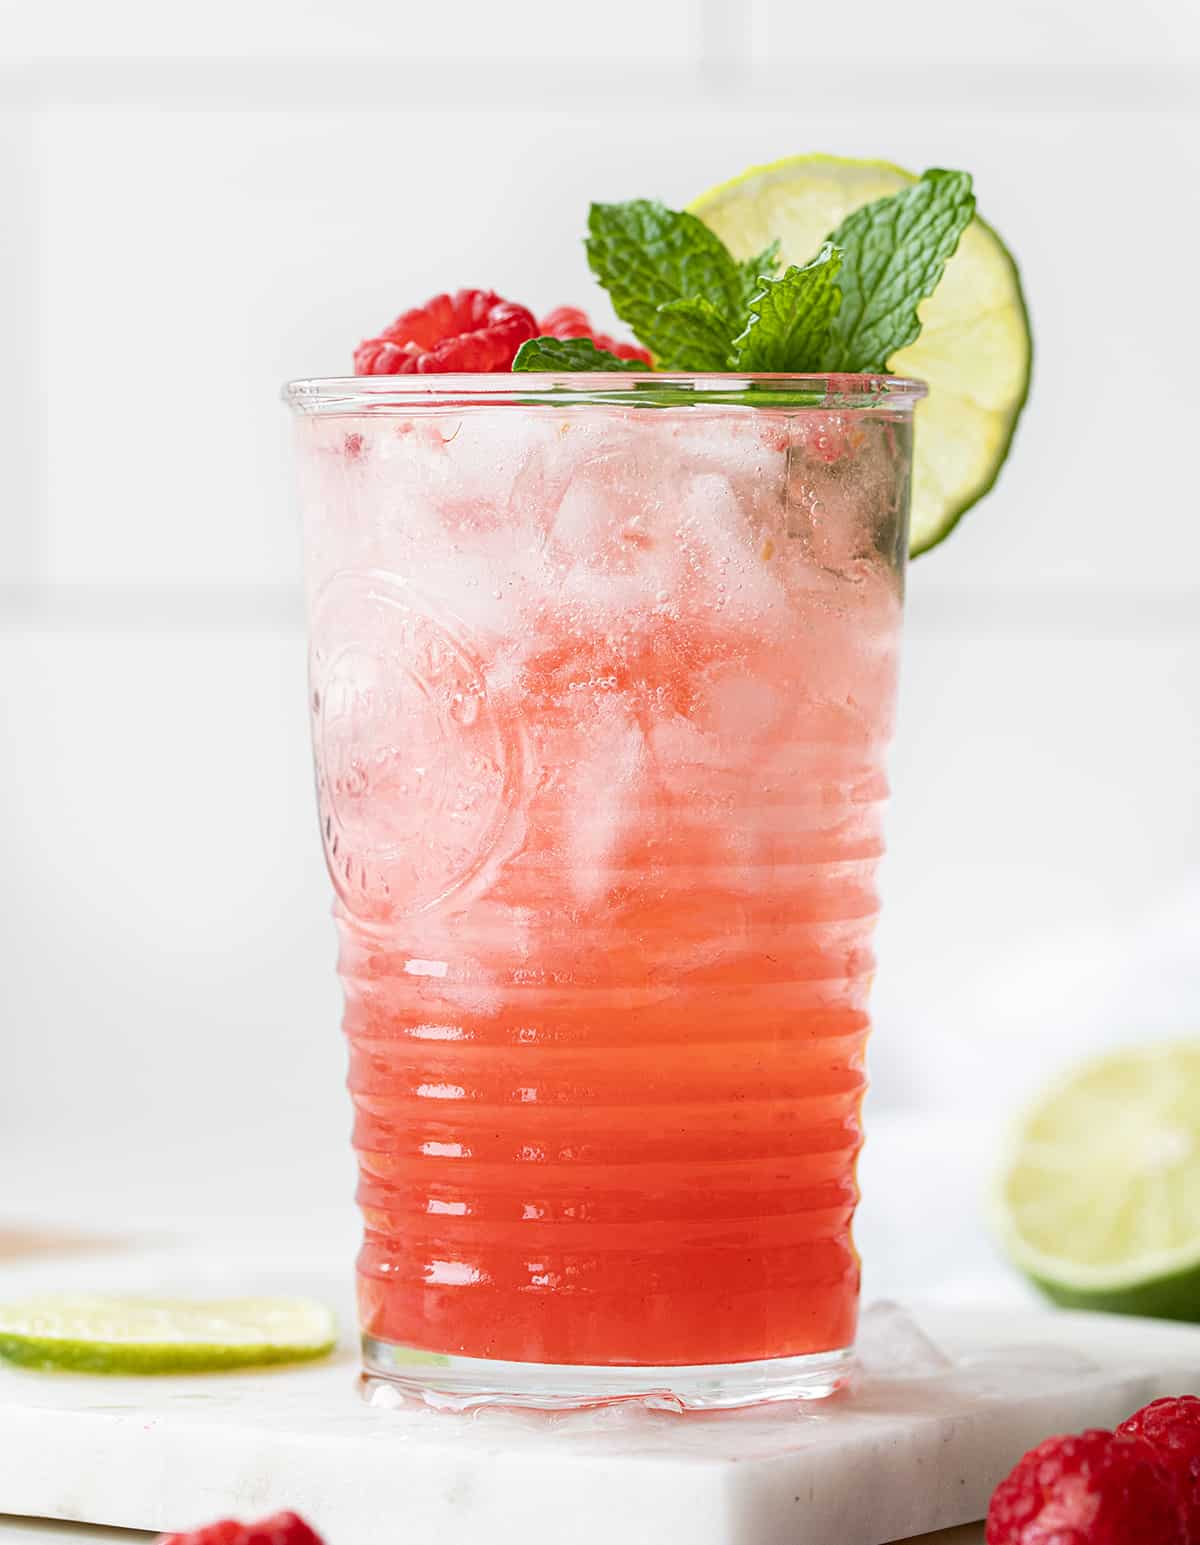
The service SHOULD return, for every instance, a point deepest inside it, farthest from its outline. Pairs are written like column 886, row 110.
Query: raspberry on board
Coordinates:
column 1093, row 1489
column 282, row 1529
column 572, row 322
column 279, row 1529
column 1172, row 1429
column 475, row 330
column 227, row 1531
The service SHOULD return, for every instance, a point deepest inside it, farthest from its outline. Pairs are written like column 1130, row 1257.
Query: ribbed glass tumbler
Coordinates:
column 602, row 680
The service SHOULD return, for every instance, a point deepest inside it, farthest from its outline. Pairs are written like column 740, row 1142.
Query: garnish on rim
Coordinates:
column 702, row 288
column 847, row 310
column 470, row 330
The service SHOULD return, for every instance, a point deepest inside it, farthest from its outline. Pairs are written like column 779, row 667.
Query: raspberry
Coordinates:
column 1172, row 1429
column 1094, row 1489
column 227, row 1532
column 571, row 322
column 471, row 330
column 279, row 1529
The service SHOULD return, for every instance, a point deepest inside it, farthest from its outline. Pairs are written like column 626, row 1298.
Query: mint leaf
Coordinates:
column 569, row 354
column 894, row 252
column 693, row 335
column 756, row 268
column 647, row 256
column 791, row 317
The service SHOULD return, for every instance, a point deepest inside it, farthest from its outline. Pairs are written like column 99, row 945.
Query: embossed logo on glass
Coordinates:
column 415, row 771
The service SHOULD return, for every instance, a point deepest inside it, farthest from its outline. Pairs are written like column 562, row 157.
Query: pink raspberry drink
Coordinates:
column 604, row 639
column 602, row 678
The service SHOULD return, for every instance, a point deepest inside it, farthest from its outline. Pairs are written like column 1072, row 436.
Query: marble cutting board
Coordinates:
column 947, row 1401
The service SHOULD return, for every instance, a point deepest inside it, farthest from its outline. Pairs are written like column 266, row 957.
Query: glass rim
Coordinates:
column 648, row 388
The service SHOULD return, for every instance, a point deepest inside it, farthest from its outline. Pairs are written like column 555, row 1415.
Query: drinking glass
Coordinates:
column 602, row 678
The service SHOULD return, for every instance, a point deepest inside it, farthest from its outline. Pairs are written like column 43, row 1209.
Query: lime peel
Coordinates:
column 1091, row 1200
column 958, row 455
column 119, row 1335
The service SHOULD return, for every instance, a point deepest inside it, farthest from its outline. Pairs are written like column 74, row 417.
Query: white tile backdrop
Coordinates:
column 201, row 201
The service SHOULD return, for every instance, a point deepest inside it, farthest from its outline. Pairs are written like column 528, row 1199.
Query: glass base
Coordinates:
column 463, row 1383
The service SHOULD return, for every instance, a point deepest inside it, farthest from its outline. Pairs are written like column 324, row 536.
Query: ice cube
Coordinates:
column 749, row 448
column 385, row 1396
column 472, row 460
column 611, row 539
column 891, row 1345
column 461, row 514
column 730, row 577
column 738, row 706
column 602, row 794
column 683, row 752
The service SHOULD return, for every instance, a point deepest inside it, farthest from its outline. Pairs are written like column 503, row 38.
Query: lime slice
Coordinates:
column 974, row 350
column 163, row 1335
column 1099, row 1202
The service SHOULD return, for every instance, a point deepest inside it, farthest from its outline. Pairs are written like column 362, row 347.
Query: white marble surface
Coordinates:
column 932, row 1428
column 274, row 1217
column 40, row 1531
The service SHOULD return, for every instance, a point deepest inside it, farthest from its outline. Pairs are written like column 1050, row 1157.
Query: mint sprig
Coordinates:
column 647, row 257
column 894, row 252
column 792, row 317
column 566, row 356
column 753, row 270
column 692, row 334
column 698, row 309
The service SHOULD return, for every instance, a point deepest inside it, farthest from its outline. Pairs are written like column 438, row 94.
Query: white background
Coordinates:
column 199, row 201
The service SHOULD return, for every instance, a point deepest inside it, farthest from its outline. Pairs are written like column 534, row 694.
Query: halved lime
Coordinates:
column 974, row 350
column 163, row 1335
column 1099, row 1201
